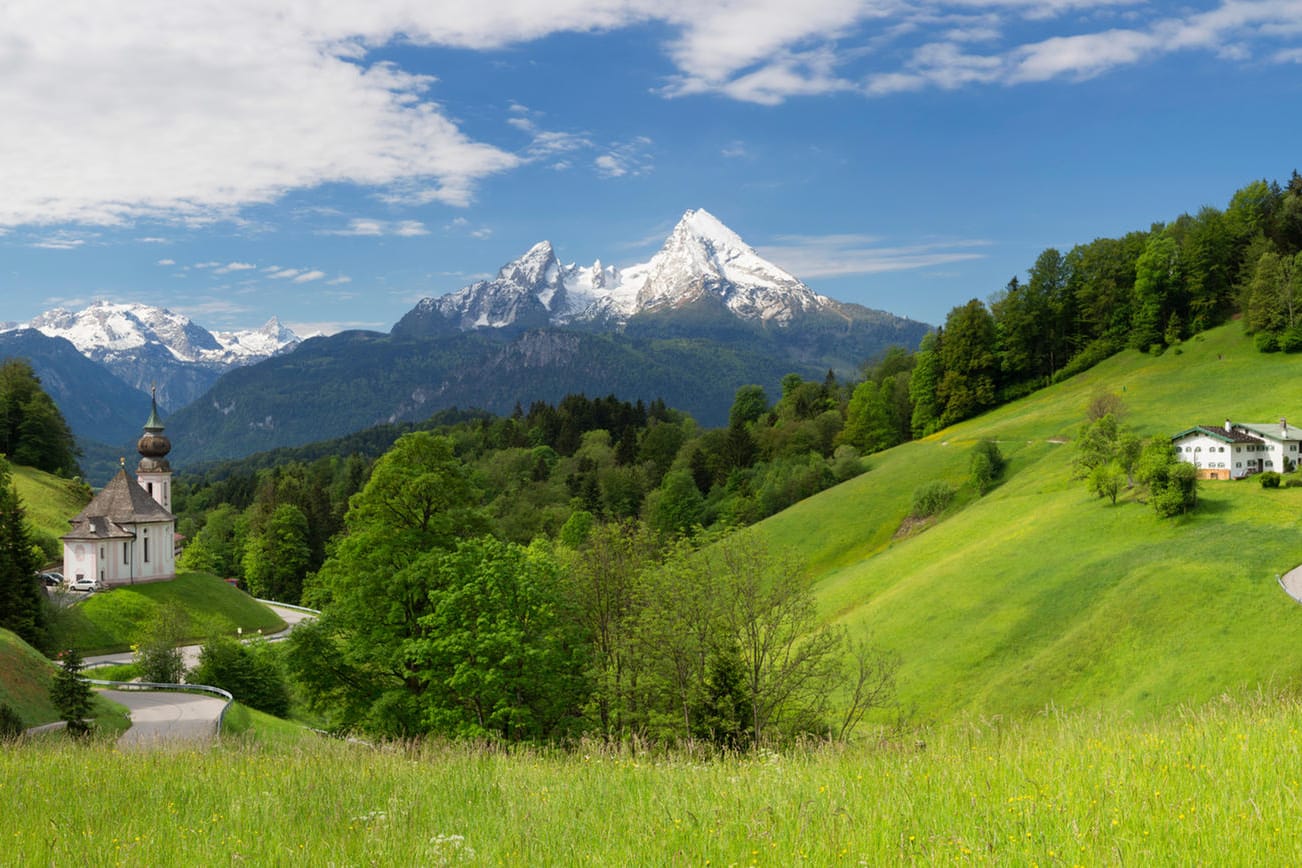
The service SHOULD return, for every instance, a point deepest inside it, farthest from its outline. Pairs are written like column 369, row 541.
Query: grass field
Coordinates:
column 1214, row 785
column 110, row 621
column 1039, row 595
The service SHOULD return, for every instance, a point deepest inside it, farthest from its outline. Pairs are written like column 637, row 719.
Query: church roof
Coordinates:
column 123, row 502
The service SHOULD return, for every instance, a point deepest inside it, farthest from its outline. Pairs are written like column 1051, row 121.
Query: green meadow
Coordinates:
column 1040, row 596
column 1217, row 784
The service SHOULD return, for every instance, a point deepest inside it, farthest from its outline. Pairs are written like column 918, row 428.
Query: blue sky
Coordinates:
column 333, row 163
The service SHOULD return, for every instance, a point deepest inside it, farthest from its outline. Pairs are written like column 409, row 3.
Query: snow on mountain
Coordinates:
column 702, row 258
column 147, row 346
column 257, row 344
column 106, row 329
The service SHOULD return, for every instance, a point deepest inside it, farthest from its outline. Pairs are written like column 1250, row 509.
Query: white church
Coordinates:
column 125, row 535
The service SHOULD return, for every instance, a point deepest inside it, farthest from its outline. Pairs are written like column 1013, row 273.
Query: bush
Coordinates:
column 11, row 725
column 1266, row 342
column 1269, row 479
column 931, row 499
column 249, row 672
column 986, row 465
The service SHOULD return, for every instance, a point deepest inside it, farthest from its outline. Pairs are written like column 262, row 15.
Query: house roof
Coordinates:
column 123, row 502
column 1271, row 431
column 1217, row 432
column 97, row 528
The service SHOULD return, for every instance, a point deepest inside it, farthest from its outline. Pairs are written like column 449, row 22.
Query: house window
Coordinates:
column 1238, row 464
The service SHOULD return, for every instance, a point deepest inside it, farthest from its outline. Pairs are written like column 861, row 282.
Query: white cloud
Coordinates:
column 167, row 262
column 409, row 228
column 60, row 241
column 609, row 166
column 309, row 276
column 193, row 111
column 625, row 158
column 234, row 266
column 339, row 281
column 837, row 255
column 365, row 226
column 284, row 273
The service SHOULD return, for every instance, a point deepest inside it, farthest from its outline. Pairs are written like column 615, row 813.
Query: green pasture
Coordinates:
column 1205, row 785
column 1040, row 596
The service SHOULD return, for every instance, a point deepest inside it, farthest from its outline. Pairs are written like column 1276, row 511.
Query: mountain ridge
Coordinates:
column 701, row 260
column 147, row 346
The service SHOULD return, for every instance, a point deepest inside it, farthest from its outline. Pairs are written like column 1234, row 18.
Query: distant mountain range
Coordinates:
column 702, row 317
column 705, row 315
column 146, row 346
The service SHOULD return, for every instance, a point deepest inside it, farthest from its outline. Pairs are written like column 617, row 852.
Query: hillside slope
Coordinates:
column 48, row 500
column 1040, row 595
column 25, row 679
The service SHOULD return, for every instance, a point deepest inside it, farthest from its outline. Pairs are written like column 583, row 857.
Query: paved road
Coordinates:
column 1291, row 582
column 168, row 716
column 157, row 718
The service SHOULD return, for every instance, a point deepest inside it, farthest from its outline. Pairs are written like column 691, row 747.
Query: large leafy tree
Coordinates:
column 276, row 559
column 495, row 656
column 971, row 364
column 376, row 586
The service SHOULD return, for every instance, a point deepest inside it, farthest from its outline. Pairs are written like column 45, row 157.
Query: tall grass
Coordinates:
column 1217, row 784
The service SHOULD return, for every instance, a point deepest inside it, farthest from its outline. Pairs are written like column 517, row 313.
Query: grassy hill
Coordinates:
column 1040, row 595
column 110, row 621
column 25, row 684
column 48, row 500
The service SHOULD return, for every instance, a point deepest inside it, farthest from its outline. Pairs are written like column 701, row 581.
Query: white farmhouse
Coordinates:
column 125, row 534
column 1239, row 449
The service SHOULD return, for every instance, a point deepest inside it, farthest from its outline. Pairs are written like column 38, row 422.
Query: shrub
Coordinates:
column 11, row 725
column 1266, row 342
column 930, row 499
column 249, row 672
column 986, row 465
column 1269, row 479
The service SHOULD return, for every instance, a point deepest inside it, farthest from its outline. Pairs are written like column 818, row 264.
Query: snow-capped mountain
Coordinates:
column 146, row 346
column 702, row 261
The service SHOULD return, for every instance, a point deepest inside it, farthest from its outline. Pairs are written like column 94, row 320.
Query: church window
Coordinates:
column 146, row 553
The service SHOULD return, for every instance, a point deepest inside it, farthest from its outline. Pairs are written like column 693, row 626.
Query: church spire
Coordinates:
column 153, row 423
column 153, row 445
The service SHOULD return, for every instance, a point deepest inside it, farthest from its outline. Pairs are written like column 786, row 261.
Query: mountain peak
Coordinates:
column 703, row 225
column 701, row 260
column 532, row 268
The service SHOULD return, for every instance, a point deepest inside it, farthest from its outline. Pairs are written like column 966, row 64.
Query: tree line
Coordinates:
column 432, row 624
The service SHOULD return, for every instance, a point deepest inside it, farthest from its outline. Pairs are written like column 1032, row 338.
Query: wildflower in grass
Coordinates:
column 449, row 849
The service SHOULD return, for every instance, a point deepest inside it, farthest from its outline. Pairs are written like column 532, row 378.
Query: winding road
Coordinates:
column 175, row 717
column 167, row 717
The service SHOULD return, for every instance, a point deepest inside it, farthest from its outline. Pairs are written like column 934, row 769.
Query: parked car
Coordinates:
column 52, row 579
column 82, row 583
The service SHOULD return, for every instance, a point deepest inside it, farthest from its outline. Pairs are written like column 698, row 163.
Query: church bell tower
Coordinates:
column 153, row 472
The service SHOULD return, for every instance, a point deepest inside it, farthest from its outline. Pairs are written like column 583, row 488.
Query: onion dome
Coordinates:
column 153, row 446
